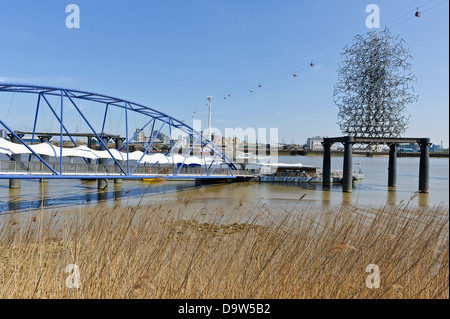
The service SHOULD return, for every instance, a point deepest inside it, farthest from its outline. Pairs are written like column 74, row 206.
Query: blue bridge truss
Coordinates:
column 218, row 165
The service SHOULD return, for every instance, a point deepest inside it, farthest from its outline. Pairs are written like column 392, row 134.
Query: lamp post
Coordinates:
column 209, row 98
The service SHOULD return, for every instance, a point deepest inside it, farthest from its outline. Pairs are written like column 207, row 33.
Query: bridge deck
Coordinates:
column 33, row 170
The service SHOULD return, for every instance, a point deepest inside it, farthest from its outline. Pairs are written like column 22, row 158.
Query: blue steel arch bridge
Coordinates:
column 192, row 156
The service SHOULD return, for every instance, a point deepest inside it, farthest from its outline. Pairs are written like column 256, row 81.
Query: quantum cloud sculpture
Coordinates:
column 374, row 86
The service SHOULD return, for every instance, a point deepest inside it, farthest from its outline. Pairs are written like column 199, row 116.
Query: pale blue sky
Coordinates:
column 171, row 55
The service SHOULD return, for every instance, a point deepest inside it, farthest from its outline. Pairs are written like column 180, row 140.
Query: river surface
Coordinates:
column 372, row 191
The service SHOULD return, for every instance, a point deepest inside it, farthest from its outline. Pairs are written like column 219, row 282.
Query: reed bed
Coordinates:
column 184, row 250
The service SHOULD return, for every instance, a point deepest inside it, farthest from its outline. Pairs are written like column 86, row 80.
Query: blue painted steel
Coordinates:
column 149, row 144
column 195, row 142
column 35, row 122
column 8, row 87
column 104, row 120
column 42, row 91
column 29, row 148
column 134, row 136
column 61, row 137
column 96, row 135
column 64, row 127
column 171, row 147
column 128, row 145
column 129, row 177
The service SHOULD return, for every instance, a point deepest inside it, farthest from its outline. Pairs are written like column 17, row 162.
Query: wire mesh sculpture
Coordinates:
column 373, row 86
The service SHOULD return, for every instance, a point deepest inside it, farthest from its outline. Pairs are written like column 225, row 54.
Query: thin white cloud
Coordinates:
column 37, row 81
column 7, row 79
column 15, row 33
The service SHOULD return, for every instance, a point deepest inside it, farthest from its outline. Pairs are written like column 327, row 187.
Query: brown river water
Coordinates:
column 372, row 191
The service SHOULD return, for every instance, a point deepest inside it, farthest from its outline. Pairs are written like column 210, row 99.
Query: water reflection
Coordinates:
column 14, row 195
column 326, row 194
column 346, row 198
column 118, row 193
column 391, row 196
column 102, row 196
column 372, row 190
column 34, row 194
column 43, row 187
column 423, row 199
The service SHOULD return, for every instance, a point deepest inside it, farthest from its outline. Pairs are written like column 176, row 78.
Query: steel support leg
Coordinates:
column 392, row 170
column 348, row 171
column 424, row 166
column 326, row 167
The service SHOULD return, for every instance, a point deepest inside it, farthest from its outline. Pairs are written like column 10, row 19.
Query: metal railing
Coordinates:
column 83, row 169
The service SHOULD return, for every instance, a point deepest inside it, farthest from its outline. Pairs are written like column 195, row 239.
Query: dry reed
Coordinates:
column 250, row 251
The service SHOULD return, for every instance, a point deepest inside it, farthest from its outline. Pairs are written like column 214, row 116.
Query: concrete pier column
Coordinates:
column 15, row 183
column 424, row 166
column 392, row 170
column 348, row 171
column 103, row 183
column 45, row 139
column 119, row 143
column 326, row 166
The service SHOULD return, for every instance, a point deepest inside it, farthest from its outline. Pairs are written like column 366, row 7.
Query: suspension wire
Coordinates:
column 120, row 119
column 10, row 105
column 327, row 55
column 53, row 115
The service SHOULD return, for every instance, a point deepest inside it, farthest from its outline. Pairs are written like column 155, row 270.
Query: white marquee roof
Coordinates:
column 9, row 148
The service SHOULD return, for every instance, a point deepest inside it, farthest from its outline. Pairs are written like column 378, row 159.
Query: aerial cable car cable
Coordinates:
column 280, row 75
column 329, row 45
column 338, row 41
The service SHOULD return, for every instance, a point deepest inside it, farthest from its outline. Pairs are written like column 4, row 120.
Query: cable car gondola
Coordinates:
column 294, row 75
column 251, row 90
column 418, row 13
column 259, row 85
column 312, row 64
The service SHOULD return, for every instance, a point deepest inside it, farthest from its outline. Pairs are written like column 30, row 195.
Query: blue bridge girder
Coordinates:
column 69, row 96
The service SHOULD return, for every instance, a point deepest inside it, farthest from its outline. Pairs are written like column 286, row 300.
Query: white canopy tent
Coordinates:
column 9, row 148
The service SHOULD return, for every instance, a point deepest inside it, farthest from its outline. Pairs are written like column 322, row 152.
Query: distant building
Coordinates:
column 140, row 137
column 161, row 138
column 314, row 143
column 436, row 148
column 410, row 147
column 231, row 140
column 2, row 133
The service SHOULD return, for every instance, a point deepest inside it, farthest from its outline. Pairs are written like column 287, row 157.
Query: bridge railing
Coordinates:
column 83, row 169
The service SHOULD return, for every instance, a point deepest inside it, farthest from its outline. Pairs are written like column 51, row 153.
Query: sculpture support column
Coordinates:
column 348, row 171
column 392, row 170
column 424, row 166
column 326, row 166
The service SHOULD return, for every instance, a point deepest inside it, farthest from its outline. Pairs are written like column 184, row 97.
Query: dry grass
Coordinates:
column 178, row 251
